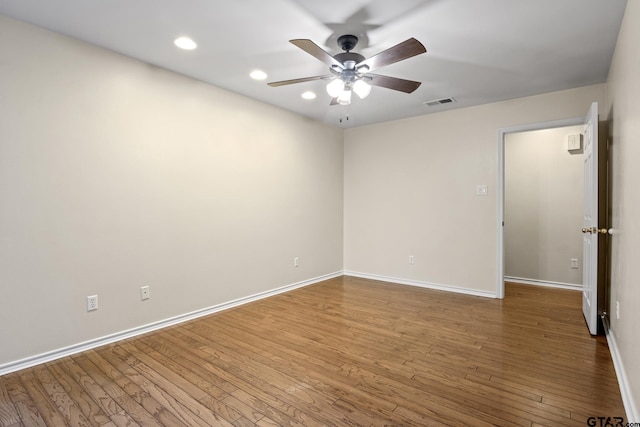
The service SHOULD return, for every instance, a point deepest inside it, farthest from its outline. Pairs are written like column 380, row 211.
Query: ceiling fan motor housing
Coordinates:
column 349, row 56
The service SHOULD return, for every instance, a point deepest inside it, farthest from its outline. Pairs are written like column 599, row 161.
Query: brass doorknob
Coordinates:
column 595, row 230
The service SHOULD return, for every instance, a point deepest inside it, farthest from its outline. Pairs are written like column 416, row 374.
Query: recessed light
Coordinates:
column 258, row 75
column 308, row 95
column 185, row 43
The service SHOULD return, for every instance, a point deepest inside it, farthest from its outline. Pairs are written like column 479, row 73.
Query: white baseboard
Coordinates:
column 545, row 283
column 97, row 342
column 632, row 414
column 420, row 284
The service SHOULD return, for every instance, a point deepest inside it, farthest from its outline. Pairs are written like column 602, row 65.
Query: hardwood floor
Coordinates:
column 347, row 351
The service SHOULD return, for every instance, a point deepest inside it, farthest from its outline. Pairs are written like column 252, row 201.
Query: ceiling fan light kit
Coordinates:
column 349, row 70
column 337, row 88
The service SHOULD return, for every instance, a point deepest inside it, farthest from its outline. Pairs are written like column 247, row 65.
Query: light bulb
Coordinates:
column 258, row 75
column 185, row 43
column 362, row 88
column 345, row 97
column 335, row 87
column 308, row 95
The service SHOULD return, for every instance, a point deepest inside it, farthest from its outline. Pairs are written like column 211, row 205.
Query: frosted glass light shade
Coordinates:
column 362, row 88
column 345, row 97
column 335, row 87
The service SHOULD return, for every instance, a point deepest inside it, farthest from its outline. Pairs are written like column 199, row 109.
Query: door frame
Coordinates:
column 502, row 133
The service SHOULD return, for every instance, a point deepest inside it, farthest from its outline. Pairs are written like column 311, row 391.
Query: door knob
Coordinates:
column 595, row 230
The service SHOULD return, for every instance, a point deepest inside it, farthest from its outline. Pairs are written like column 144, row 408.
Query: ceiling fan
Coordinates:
column 350, row 71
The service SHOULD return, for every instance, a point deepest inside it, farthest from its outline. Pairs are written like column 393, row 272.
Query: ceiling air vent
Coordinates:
column 439, row 102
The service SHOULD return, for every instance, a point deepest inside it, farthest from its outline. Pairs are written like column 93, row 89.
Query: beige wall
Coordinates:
column 623, row 108
column 543, row 206
column 116, row 174
column 410, row 189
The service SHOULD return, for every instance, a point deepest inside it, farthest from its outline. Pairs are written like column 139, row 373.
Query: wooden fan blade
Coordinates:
column 302, row 80
column 394, row 83
column 404, row 50
column 316, row 51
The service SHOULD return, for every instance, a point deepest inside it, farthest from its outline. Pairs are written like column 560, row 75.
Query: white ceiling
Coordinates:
column 478, row 51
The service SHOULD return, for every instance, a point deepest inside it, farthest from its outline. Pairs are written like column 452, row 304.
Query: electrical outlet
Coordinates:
column 145, row 293
column 412, row 259
column 296, row 262
column 92, row 302
column 574, row 263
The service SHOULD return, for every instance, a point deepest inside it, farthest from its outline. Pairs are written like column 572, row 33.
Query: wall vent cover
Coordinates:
column 439, row 102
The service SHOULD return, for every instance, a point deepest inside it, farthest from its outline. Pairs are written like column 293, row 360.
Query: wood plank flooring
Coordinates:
column 345, row 352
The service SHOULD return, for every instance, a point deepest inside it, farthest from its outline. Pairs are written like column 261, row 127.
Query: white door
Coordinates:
column 590, row 223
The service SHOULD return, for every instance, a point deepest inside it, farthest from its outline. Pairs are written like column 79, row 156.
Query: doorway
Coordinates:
column 544, row 203
column 502, row 138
